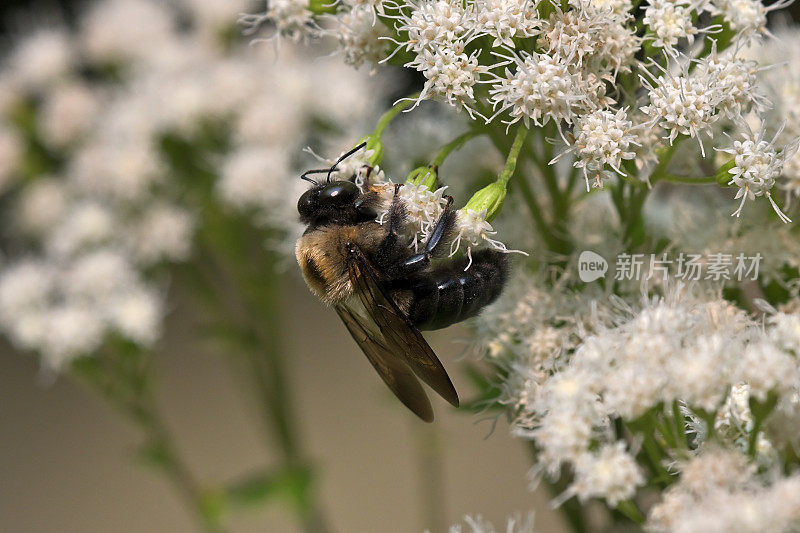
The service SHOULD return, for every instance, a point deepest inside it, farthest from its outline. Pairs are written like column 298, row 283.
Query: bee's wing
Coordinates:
column 402, row 337
column 394, row 372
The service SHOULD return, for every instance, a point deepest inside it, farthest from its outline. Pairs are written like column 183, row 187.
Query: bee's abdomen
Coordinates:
column 453, row 294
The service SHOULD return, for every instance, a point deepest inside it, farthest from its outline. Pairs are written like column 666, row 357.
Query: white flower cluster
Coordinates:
column 106, row 212
column 719, row 491
column 575, row 65
column 572, row 374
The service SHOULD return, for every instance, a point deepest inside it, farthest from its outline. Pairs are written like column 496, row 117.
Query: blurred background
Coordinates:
column 69, row 462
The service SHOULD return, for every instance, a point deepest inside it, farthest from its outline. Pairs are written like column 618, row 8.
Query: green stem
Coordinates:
column 129, row 393
column 453, row 145
column 631, row 511
column 513, row 155
column 395, row 110
column 571, row 510
column 664, row 157
column 674, row 178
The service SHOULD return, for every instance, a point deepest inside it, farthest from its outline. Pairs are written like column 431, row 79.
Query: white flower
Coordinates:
column 758, row 164
column 96, row 275
column 164, row 233
column 84, row 223
column 122, row 30
column 472, row 230
column 41, row 205
column 514, row 524
column 734, row 79
column 435, row 23
column 747, row 17
column 542, row 88
column 116, row 170
column 360, row 35
column 252, row 177
column 137, row 314
column 682, row 105
column 24, row 288
column 73, row 330
column 451, row 74
column 507, row 19
column 603, row 138
column 292, row 19
column 610, row 472
column 670, row 20
column 67, row 113
column 42, row 58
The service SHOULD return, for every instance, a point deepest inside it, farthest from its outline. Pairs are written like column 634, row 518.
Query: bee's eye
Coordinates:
column 307, row 202
column 338, row 193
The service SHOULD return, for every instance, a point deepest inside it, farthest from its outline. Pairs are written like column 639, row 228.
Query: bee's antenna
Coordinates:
column 304, row 175
column 345, row 156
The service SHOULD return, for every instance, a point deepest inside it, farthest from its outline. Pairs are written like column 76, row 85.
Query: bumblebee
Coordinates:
column 384, row 291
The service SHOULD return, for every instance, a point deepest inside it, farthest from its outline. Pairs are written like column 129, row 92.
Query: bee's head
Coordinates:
column 336, row 201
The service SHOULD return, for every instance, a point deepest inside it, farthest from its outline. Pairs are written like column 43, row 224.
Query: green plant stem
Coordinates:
column 128, row 395
column 456, row 144
column 390, row 115
column 571, row 510
column 631, row 511
column 674, row 178
column 261, row 320
column 513, row 155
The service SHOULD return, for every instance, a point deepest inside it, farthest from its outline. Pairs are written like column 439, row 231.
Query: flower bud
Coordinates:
column 375, row 145
column 425, row 176
column 723, row 175
column 489, row 199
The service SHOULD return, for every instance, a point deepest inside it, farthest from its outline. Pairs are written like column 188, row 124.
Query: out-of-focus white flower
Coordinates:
column 72, row 330
column 514, row 524
column 163, row 232
column 291, row 18
column 42, row 58
column 137, row 314
column 67, row 113
column 118, row 171
column 747, row 17
column 252, row 177
column 215, row 16
column 610, row 473
column 41, row 205
column 24, row 288
column 123, row 30
column 758, row 163
column 719, row 490
column 96, row 274
column 360, row 35
column 84, row 223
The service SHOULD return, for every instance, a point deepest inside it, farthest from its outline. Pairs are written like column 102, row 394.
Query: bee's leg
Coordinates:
column 444, row 226
column 388, row 249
